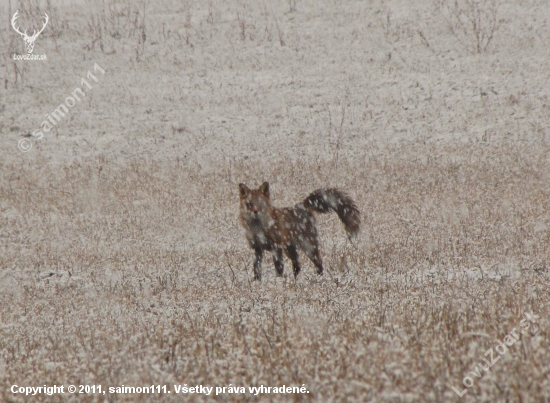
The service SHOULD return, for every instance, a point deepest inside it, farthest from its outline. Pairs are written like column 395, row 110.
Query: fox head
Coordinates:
column 254, row 203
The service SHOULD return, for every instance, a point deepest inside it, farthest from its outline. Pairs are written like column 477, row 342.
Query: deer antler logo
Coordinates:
column 29, row 40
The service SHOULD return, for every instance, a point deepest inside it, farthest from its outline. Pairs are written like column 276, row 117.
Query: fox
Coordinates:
column 284, row 230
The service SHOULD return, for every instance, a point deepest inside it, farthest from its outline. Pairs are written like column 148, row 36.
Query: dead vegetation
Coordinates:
column 141, row 275
column 122, row 260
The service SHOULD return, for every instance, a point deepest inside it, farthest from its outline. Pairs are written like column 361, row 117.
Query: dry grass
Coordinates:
column 121, row 256
column 140, row 274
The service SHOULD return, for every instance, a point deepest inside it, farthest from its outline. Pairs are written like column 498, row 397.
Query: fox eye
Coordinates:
column 249, row 205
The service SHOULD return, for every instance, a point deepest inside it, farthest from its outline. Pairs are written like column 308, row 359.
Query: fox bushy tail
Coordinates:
column 327, row 200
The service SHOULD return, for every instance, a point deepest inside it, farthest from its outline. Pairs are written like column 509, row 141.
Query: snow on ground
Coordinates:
column 122, row 260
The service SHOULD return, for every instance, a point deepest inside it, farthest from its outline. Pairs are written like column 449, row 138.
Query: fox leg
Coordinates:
column 258, row 263
column 310, row 245
column 278, row 260
column 292, row 254
column 314, row 255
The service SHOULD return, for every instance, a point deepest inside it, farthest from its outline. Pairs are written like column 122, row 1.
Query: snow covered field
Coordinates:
column 122, row 260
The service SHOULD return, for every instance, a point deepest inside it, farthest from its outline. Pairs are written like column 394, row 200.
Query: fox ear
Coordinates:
column 264, row 188
column 243, row 190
